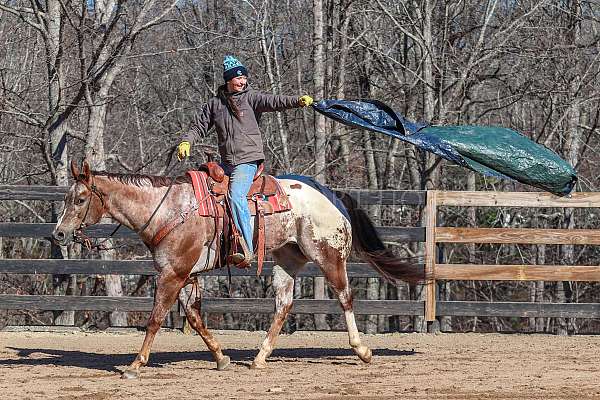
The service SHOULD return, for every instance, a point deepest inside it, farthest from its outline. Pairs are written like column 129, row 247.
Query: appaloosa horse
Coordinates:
column 313, row 230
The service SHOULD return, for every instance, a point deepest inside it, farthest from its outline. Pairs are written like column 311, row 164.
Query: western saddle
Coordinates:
column 265, row 197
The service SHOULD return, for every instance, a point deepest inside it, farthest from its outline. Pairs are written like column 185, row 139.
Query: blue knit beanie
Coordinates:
column 232, row 67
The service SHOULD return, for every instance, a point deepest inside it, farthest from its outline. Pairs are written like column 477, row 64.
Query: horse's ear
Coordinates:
column 74, row 170
column 86, row 171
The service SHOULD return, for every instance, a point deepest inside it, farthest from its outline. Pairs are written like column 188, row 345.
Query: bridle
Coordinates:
column 78, row 235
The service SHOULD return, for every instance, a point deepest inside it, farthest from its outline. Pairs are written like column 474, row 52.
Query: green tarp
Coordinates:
column 493, row 151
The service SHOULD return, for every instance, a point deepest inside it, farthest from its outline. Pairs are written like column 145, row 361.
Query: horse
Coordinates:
column 313, row 230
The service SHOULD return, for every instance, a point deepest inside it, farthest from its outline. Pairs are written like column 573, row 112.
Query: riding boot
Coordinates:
column 244, row 257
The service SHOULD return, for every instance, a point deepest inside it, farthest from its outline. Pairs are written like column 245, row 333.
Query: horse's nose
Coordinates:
column 59, row 236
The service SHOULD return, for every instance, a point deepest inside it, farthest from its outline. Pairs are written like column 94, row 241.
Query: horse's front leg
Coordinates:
column 168, row 286
column 191, row 304
column 283, row 284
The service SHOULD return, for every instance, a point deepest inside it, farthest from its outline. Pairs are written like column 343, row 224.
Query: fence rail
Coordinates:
column 44, row 230
column 145, row 267
column 307, row 306
column 430, row 234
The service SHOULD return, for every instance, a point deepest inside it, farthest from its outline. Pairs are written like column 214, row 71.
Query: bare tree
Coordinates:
column 319, row 132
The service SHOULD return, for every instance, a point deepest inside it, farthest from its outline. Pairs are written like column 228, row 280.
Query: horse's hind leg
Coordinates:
column 336, row 275
column 191, row 304
column 283, row 284
column 168, row 286
column 332, row 261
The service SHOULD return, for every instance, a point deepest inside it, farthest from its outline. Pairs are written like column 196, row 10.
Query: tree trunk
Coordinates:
column 319, row 84
column 386, row 291
column 374, row 211
column 571, row 151
column 339, row 130
column 539, row 288
column 96, row 156
column 429, row 172
column 57, row 137
column 383, row 321
column 320, row 150
column 305, row 121
column 56, row 134
column 275, row 88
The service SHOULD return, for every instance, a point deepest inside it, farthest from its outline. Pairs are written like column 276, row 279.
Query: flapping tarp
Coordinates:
column 492, row 151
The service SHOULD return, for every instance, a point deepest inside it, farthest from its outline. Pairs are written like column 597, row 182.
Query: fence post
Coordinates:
column 430, row 253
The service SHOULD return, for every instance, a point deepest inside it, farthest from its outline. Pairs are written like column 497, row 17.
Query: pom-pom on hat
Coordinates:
column 232, row 67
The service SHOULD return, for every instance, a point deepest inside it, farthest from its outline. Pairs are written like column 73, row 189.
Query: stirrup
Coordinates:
column 242, row 259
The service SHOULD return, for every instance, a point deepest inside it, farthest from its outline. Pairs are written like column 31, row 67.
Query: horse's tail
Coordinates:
column 367, row 243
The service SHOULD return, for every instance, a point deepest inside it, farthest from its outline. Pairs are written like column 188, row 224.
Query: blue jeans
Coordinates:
column 240, row 180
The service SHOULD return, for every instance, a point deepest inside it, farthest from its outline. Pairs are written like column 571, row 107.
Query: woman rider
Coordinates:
column 235, row 112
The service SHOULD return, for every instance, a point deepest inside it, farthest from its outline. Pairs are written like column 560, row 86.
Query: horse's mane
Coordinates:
column 143, row 180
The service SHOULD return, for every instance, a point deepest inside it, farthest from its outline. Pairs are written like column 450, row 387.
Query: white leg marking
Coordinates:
column 352, row 329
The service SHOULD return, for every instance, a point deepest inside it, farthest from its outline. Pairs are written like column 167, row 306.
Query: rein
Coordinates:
column 173, row 179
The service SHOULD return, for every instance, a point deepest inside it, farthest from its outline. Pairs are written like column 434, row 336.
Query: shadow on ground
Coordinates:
column 110, row 362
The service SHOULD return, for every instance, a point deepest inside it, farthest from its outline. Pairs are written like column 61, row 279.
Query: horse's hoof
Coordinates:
column 258, row 365
column 130, row 374
column 364, row 353
column 223, row 363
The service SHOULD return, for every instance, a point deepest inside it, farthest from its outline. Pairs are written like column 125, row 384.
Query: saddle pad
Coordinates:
column 206, row 205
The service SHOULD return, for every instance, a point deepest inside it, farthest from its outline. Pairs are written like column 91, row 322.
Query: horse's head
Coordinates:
column 84, row 206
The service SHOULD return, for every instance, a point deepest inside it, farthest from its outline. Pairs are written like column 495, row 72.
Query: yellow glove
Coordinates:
column 305, row 101
column 183, row 150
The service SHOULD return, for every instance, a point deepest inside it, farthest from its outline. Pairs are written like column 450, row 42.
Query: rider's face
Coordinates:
column 237, row 84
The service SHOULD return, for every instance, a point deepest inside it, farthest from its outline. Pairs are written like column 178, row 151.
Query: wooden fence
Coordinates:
column 144, row 267
column 438, row 271
column 430, row 234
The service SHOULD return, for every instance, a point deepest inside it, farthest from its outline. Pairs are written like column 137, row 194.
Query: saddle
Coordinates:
column 265, row 197
column 264, row 188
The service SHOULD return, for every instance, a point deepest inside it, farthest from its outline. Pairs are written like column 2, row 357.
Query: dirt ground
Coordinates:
column 305, row 365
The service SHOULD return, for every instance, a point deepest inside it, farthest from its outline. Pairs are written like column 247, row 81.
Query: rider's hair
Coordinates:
column 228, row 99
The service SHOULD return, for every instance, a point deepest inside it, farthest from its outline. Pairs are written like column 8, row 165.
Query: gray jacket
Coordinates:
column 239, row 141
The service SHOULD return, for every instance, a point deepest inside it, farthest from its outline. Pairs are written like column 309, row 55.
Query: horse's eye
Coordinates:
column 80, row 201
